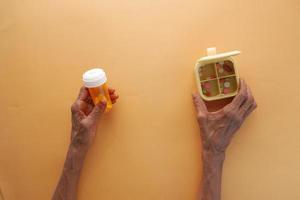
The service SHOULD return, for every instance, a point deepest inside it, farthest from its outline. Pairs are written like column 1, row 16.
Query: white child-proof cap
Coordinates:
column 94, row 77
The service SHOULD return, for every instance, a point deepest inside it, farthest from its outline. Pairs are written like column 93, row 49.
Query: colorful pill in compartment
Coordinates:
column 228, row 85
column 207, row 72
column 225, row 68
column 210, row 88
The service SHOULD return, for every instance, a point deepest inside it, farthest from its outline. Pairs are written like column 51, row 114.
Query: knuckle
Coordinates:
column 230, row 113
column 251, row 99
column 254, row 104
column 201, row 116
column 73, row 108
column 84, row 127
column 227, row 109
column 244, row 96
column 237, row 119
column 234, row 116
column 252, row 107
column 97, row 112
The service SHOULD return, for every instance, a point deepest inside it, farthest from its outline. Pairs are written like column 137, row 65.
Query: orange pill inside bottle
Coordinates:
column 95, row 80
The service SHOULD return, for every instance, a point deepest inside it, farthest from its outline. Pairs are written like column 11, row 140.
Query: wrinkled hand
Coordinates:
column 217, row 128
column 85, row 117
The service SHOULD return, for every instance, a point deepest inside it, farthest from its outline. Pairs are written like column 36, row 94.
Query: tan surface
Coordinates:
column 149, row 146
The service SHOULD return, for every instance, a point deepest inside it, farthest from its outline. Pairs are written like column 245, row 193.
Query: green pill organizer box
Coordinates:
column 217, row 75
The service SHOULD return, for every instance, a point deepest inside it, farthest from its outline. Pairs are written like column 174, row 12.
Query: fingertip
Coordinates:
column 198, row 102
column 111, row 90
column 242, row 81
column 243, row 85
column 114, row 96
column 83, row 93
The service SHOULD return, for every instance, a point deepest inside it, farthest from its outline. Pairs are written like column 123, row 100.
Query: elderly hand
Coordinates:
column 217, row 128
column 85, row 117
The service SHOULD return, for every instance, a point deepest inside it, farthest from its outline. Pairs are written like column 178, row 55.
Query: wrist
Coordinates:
column 78, row 152
column 213, row 157
column 80, row 140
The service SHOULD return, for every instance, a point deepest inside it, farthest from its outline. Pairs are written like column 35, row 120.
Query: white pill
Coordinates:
column 221, row 70
column 227, row 84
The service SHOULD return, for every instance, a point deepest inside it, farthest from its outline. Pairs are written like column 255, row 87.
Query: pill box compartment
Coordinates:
column 207, row 72
column 210, row 88
column 218, row 79
column 228, row 85
column 225, row 68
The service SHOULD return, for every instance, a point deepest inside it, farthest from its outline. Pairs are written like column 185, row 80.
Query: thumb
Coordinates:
column 98, row 110
column 199, row 103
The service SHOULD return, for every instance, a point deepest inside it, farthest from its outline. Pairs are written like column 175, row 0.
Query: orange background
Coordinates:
column 148, row 147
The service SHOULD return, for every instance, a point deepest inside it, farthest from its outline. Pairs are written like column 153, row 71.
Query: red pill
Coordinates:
column 226, row 90
column 228, row 66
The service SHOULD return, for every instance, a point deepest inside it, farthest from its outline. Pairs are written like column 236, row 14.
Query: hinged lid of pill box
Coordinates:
column 212, row 55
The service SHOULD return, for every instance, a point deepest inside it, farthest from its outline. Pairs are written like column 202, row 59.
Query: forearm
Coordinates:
column 212, row 175
column 66, row 188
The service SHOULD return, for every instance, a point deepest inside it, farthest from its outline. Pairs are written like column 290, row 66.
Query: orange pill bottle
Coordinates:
column 95, row 80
